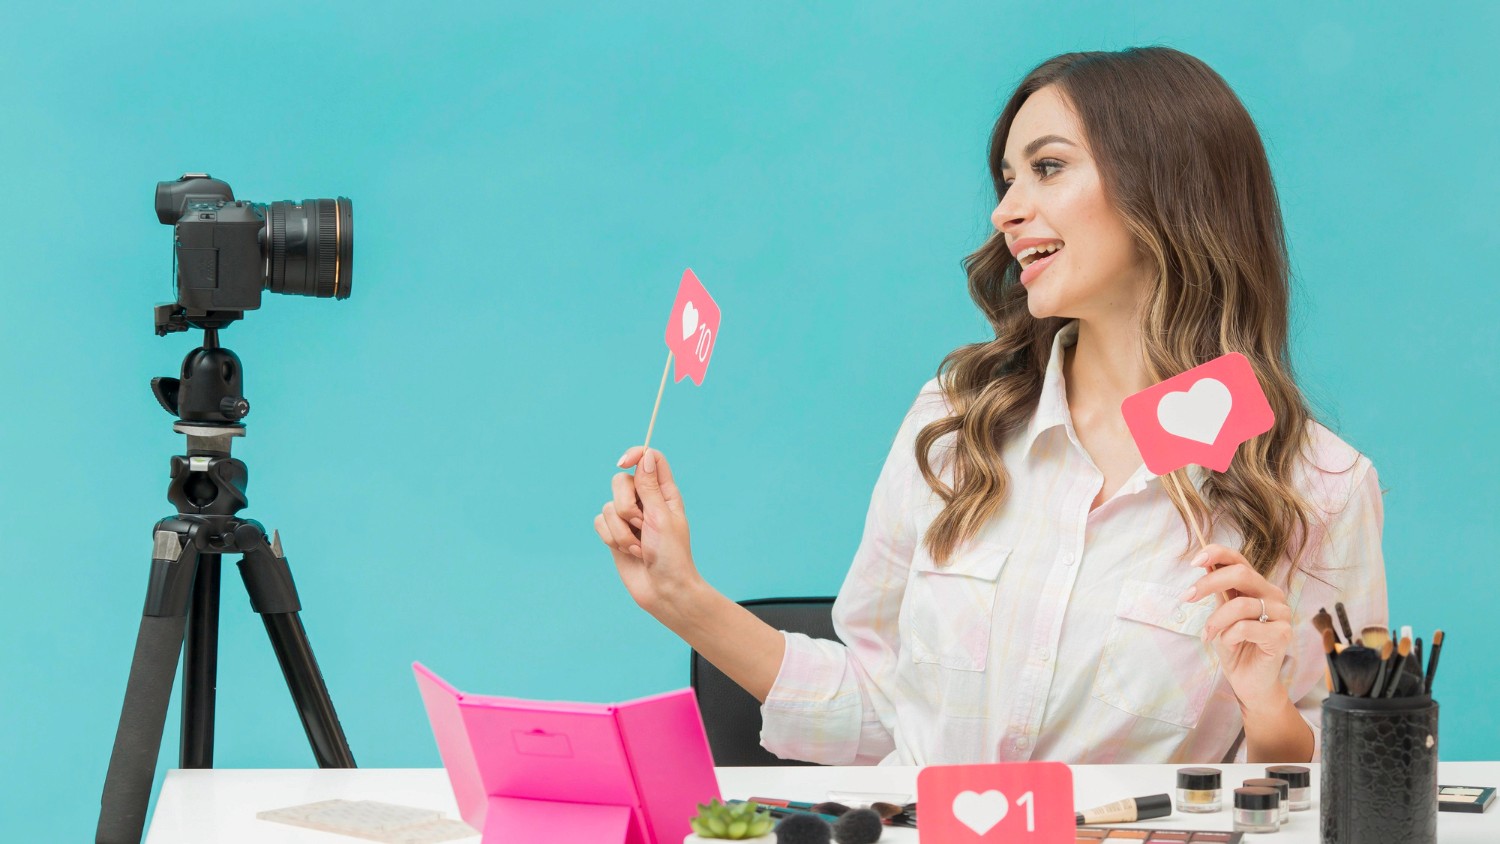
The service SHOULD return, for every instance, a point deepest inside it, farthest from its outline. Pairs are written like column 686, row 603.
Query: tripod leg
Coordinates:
column 268, row 579
column 200, row 667
column 132, row 763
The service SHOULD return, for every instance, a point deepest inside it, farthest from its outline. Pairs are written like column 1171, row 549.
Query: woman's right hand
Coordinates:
column 646, row 530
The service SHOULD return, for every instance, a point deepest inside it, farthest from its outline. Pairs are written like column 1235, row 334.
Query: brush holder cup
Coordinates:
column 1379, row 778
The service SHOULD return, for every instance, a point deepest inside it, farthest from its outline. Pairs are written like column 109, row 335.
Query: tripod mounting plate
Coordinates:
column 209, row 431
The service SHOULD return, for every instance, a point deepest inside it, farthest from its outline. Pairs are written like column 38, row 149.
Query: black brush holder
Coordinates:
column 1379, row 773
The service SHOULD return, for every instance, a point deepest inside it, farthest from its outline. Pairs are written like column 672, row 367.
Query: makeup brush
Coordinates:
column 1398, row 668
column 1324, row 621
column 1374, row 637
column 1344, row 620
column 1414, row 678
column 1358, row 666
column 1333, row 669
column 1437, row 648
column 1385, row 668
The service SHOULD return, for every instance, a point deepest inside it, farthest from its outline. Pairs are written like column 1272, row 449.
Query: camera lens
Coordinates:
column 309, row 248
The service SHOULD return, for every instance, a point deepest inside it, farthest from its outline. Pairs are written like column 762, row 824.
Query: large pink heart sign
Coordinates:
column 1000, row 803
column 692, row 329
column 1200, row 416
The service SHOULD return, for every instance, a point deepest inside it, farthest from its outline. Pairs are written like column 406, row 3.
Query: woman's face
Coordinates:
column 1054, row 193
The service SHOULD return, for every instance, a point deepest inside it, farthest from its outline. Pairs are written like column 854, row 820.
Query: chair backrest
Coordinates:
column 731, row 715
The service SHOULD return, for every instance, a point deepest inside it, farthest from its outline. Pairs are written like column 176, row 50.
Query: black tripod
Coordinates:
column 182, row 599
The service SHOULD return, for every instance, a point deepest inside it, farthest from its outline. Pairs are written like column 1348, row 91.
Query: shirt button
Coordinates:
column 1044, row 654
column 1022, row 743
column 1068, row 559
column 1179, row 616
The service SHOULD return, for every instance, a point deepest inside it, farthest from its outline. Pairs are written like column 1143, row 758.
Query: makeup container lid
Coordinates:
column 1255, row 799
column 1198, row 779
column 1295, row 775
column 1154, row 806
column 1281, row 786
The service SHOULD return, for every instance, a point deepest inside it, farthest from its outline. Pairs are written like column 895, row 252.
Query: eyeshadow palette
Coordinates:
column 1093, row 835
column 1464, row 798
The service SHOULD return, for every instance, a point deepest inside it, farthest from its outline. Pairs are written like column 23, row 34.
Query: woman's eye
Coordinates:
column 1044, row 164
column 1039, row 168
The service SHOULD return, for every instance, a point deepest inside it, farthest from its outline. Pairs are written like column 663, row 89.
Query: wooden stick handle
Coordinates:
column 1198, row 534
column 657, row 406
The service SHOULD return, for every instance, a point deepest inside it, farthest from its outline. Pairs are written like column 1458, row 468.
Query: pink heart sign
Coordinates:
column 692, row 329
column 1200, row 416
column 999, row 803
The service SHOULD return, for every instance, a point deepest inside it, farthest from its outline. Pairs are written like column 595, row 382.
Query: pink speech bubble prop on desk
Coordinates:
column 692, row 329
column 1200, row 416
column 1000, row 803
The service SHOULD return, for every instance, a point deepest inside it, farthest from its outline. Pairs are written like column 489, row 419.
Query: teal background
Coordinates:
column 528, row 185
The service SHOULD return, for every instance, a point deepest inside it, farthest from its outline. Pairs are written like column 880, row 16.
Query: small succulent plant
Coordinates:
column 735, row 821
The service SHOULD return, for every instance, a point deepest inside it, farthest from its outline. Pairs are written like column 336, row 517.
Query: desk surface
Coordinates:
column 219, row 806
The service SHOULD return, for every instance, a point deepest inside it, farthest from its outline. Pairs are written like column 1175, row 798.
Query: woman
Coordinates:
column 1025, row 588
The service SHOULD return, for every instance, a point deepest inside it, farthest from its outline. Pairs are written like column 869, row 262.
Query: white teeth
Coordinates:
column 1029, row 253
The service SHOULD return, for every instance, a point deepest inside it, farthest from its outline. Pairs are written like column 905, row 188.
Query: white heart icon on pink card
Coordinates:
column 689, row 320
column 1197, row 414
column 980, row 812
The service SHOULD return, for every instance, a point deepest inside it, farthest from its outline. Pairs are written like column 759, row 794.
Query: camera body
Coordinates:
column 227, row 251
column 218, row 243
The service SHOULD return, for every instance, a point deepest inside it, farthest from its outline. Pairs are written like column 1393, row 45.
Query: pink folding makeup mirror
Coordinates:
column 573, row 773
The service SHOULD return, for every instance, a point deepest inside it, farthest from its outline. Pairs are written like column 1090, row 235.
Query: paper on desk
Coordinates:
column 373, row 821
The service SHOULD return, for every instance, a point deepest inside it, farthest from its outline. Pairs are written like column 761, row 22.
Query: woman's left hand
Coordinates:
column 1250, row 650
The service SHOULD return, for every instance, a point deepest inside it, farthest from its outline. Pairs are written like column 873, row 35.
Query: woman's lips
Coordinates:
column 1035, row 268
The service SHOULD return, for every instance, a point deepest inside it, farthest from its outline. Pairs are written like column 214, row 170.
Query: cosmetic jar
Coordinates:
column 1257, row 809
column 1283, row 790
column 1199, row 790
column 1300, row 781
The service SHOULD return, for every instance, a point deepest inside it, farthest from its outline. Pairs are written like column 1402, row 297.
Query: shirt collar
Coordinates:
column 1052, row 411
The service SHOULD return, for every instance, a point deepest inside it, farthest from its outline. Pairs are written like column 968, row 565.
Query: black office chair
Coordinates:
column 731, row 715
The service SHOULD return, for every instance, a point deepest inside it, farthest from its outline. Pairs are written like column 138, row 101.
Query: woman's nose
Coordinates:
column 1004, row 213
column 1006, row 210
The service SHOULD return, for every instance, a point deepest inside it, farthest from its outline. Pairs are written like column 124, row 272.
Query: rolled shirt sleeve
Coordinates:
column 831, row 702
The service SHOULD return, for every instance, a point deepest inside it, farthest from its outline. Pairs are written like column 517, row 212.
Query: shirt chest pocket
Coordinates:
column 1154, row 664
column 948, row 609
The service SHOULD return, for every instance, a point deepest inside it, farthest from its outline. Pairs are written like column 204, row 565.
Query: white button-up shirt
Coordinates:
column 1056, row 633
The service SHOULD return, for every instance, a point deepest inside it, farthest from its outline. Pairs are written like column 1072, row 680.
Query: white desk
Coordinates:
column 219, row 806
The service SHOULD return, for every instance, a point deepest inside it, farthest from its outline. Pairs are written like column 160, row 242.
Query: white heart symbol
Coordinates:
column 1197, row 414
column 980, row 812
column 689, row 320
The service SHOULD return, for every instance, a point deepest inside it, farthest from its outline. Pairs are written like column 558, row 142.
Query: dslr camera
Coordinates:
column 226, row 251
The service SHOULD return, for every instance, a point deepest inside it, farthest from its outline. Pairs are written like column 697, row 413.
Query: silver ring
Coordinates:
column 1263, row 616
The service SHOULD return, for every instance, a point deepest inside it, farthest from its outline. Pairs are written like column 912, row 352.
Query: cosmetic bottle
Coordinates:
column 1299, row 779
column 1199, row 790
column 1257, row 810
column 1283, row 789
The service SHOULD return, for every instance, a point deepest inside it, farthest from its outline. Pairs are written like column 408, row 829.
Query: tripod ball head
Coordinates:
column 210, row 391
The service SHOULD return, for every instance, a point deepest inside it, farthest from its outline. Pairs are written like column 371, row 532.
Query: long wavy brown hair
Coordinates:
column 1181, row 161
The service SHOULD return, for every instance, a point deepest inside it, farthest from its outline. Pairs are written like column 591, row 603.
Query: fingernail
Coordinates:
column 648, row 462
column 1201, row 558
column 1189, row 595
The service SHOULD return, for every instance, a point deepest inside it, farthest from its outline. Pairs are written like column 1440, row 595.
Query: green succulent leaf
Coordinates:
column 732, row 821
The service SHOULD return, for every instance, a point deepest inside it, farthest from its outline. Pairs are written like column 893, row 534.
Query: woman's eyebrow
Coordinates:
column 1037, row 144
